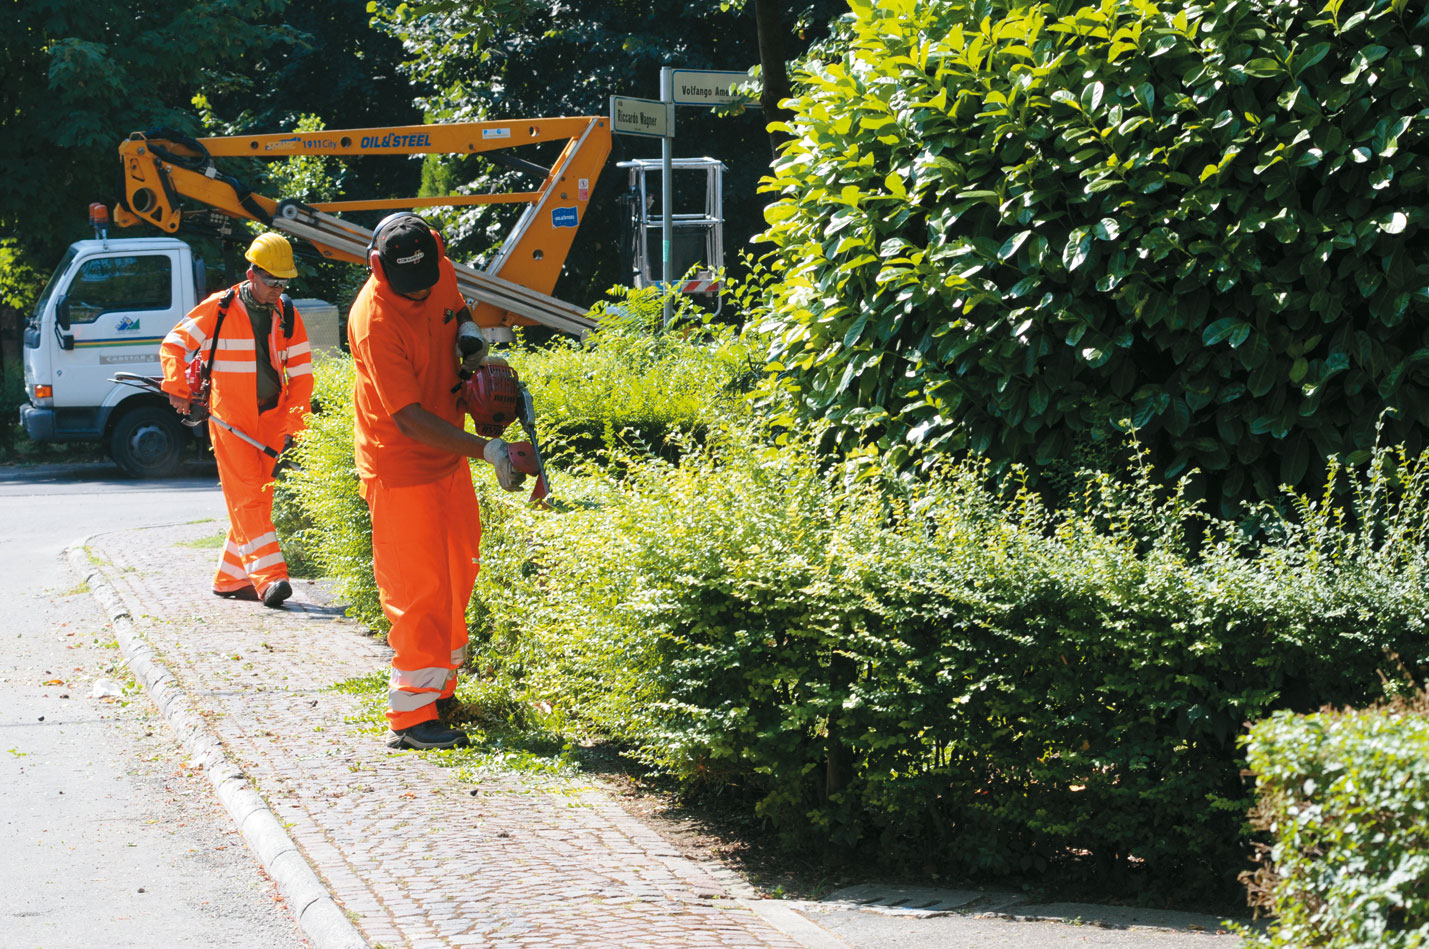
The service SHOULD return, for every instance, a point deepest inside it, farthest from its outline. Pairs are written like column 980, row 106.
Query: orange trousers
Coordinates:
column 251, row 554
column 426, row 540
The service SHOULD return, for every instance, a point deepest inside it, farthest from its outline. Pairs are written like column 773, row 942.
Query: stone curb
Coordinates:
column 795, row 925
column 317, row 914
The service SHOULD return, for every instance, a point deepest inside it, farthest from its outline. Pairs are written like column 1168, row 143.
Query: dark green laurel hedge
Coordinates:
column 1014, row 227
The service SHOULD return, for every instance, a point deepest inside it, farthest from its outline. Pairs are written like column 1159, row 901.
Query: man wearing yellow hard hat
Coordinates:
column 241, row 358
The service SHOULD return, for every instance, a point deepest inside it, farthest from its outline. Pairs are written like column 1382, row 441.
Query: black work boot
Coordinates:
column 277, row 592
column 247, row 593
column 428, row 734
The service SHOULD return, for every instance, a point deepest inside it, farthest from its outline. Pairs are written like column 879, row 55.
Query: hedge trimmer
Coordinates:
column 200, row 412
column 495, row 397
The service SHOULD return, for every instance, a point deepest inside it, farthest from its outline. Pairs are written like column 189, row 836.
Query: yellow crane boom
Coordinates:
column 162, row 170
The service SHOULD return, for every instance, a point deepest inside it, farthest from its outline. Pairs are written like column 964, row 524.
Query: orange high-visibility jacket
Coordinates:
column 405, row 353
column 233, row 393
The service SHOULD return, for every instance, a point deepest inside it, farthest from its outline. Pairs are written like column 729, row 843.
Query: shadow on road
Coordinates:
column 104, row 473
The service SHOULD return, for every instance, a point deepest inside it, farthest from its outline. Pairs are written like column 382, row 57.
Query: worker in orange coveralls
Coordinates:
column 411, row 449
column 261, row 384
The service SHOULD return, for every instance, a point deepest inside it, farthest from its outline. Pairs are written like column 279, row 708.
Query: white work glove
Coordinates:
column 506, row 475
column 471, row 347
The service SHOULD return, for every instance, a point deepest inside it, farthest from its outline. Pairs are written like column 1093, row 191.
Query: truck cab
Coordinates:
column 106, row 309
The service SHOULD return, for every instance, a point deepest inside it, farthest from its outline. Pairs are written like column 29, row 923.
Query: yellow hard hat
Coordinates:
column 273, row 253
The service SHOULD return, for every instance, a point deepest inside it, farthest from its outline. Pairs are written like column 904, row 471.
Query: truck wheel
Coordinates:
column 148, row 442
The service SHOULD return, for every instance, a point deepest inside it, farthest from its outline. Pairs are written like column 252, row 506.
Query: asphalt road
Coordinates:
column 107, row 836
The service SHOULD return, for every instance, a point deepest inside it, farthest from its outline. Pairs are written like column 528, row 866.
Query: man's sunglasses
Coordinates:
column 277, row 283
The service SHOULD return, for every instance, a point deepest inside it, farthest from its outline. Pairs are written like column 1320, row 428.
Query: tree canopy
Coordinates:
column 77, row 76
column 525, row 58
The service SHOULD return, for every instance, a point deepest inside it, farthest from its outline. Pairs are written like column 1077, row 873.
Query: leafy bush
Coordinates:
column 294, row 527
column 1010, row 227
column 1343, row 797
column 12, row 396
column 630, row 381
column 20, row 282
column 962, row 677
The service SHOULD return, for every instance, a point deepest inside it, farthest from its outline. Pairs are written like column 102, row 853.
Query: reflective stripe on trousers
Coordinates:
column 425, row 542
column 409, row 690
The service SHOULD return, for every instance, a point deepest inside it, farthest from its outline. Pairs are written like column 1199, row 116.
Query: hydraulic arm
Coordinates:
column 163, row 169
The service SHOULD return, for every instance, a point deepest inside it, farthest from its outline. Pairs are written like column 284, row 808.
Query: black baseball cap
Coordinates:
column 409, row 255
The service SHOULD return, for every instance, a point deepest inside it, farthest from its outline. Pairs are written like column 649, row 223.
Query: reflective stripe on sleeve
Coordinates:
column 190, row 329
column 181, row 341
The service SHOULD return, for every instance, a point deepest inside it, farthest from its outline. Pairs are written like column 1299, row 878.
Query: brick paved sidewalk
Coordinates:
column 413, row 856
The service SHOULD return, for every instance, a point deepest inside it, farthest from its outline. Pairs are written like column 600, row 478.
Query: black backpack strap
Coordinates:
column 288, row 316
column 223, row 304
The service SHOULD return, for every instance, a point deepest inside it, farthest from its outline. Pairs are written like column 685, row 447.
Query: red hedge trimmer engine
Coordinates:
column 198, row 385
column 495, row 397
column 492, row 394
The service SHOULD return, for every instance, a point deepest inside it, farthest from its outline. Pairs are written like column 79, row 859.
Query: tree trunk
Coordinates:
column 774, row 70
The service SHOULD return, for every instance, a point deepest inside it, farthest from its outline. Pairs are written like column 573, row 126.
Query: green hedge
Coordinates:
column 1343, row 797
column 964, row 679
column 1018, row 227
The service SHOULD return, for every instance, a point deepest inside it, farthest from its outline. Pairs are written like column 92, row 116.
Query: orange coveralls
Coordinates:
column 426, row 525
column 251, row 553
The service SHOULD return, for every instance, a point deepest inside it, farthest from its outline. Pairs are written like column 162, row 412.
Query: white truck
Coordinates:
column 106, row 308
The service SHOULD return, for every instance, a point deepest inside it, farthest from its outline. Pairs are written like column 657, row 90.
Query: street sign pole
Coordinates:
column 648, row 117
column 667, row 193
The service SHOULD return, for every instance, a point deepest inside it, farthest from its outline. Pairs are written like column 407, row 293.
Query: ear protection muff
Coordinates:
column 374, row 256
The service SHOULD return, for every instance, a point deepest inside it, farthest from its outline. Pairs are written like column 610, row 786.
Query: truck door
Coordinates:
column 115, row 311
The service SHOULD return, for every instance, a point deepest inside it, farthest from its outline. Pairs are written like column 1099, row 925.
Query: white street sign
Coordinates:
column 641, row 117
column 705, row 86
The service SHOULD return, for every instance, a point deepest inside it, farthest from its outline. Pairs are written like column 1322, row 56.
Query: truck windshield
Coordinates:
column 50, row 287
